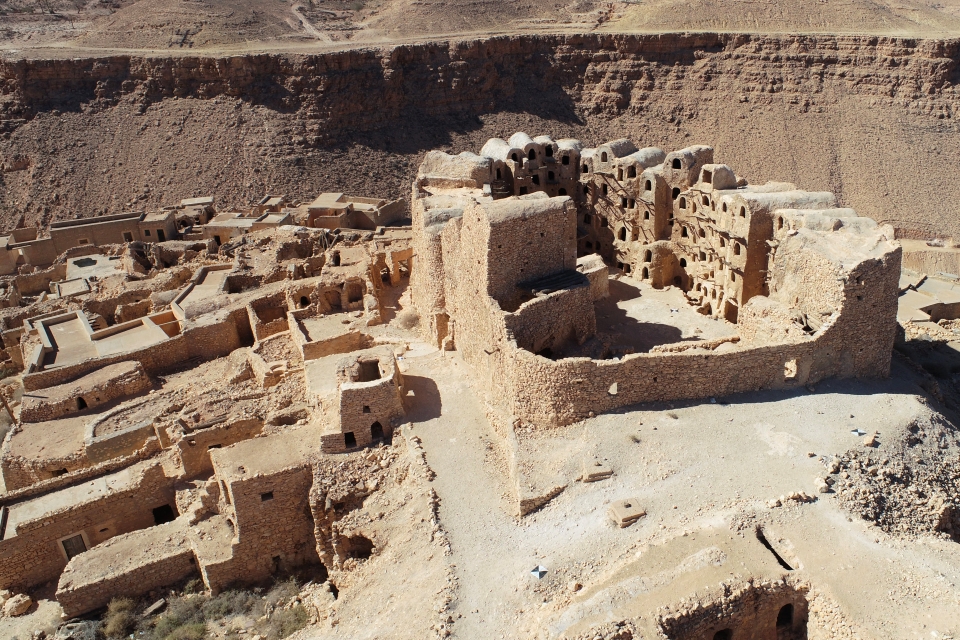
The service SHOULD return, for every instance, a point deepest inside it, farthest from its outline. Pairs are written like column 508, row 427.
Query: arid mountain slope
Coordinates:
column 290, row 25
column 869, row 118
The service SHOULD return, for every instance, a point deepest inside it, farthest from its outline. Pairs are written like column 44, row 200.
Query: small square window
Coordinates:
column 266, row 496
column 146, row 232
column 366, row 409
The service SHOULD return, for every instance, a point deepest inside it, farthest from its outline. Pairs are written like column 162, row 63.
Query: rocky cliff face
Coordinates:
column 867, row 117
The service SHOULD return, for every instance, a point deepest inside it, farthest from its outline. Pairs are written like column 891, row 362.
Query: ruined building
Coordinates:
column 507, row 245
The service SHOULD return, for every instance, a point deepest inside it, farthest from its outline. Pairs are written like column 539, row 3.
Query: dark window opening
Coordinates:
column 349, row 440
column 645, row 273
column 647, row 256
column 535, row 179
column 588, row 244
column 217, row 240
column 780, row 223
column 59, row 472
column 620, row 173
column 81, row 404
column 605, row 189
column 335, row 259
column 376, row 431
column 676, row 163
column 562, row 192
column 632, row 172
column 646, row 215
column 74, row 546
column 603, row 222
column 358, row 547
column 586, row 190
column 684, row 233
column 724, row 207
column 532, row 154
column 702, row 233
column 304, row 301
column 499, row 174
column 550, row 175
column 523, row 191
column 369, row 370
column 675, row 193
column 127, row 236
column 160, row 235
column 736, row 248
column 603, row 157
column 266, row 496
column 631, row 204
column 587, row 218
column 385, row 275
column 623, row 233
column 648, row 186
column 514, row 157
column 548, row 150
column 565, row 160
column 683, row 263
column 723, row 634
column 705, row 200
column 623, row 203
column 146, row 232
column 164, row 514
column 683, row 203
column 366, row 408
column 586, row 169
column 785, row 616
column 743, row 212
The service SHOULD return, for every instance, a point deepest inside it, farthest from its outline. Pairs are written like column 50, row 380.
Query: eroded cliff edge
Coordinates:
column 869, row 118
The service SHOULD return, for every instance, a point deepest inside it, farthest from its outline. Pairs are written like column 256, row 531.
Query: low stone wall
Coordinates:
column 194, row 448
column 32, row 487
column 117, row 443
column 133, row 563
column 110, row 383
column 205, row 342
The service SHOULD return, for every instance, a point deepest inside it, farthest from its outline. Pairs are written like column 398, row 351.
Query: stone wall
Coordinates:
column 110, row 383
column 32, row 554
column 127, row 565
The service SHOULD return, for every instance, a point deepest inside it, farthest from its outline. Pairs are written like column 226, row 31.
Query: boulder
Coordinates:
column 17, row 605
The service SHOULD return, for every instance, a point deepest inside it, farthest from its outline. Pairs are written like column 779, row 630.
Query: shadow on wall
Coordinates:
column 422, row 401
column 624, row 331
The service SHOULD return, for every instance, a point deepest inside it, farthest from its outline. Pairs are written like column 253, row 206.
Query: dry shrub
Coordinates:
column 285, row 622
column 120, row 619
column 183, row 620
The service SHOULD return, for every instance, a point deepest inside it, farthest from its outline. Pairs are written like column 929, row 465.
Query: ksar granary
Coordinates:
column 230, row 396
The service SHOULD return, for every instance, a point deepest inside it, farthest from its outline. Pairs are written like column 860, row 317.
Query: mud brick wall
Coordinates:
column 194, row 448
column 30, row 483
column 163, row 559
column 119, row 443
column 206, row 342
column 270, row 533
column 549, row 321
column 749, row 610
column 523, row 240
column 363, row 403
column 34, row 555
column 100, row 387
